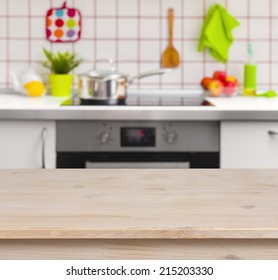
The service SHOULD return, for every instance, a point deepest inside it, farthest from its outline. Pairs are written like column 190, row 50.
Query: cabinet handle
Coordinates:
column 44, row 138
column 272, row 133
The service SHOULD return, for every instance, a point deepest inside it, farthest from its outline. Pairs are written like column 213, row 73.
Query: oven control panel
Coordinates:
column 105, row 136
column 170, row 135
column 138, row 136
column 117, row 136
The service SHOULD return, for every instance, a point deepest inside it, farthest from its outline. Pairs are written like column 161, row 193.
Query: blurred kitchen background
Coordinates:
column 135, row 33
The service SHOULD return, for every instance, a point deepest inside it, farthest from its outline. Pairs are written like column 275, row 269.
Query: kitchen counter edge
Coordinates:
column 14, row 107
column 140, row 114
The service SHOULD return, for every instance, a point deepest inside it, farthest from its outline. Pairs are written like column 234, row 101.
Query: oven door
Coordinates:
column 136, row 160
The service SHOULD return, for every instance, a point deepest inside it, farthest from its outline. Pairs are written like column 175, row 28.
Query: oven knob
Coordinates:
column 104, row 137
column 171, row 137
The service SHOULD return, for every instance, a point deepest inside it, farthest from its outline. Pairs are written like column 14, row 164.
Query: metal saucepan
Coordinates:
column 108, row 87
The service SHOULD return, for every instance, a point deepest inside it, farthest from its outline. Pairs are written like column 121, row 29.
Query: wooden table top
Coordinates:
column 138, row 204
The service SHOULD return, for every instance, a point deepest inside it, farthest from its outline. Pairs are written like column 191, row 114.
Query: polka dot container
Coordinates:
column 63, row 25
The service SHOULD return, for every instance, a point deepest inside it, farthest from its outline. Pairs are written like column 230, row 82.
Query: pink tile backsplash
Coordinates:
column 134, row 33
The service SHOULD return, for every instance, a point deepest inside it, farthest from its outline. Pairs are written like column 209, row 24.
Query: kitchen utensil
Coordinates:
column 29, row 83
column 267, row 94
column 170, row 57
column 108, row 87
column 63, row 24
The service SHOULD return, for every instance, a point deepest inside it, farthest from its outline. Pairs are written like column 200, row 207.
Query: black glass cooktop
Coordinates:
column 144, row 101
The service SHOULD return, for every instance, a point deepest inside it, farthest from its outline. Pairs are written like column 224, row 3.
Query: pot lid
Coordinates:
column 105, row 74
column 108, row 72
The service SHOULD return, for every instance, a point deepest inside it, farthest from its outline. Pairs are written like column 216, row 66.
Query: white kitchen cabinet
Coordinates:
column 249, row 145
column 27, row 144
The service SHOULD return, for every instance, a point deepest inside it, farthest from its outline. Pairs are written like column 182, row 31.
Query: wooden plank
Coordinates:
column 139, row 249
column 138, row 204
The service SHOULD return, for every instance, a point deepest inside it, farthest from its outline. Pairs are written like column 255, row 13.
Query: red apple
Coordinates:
column 215, row 87
column 205, row 82
column 232, row 79
column 220, row 75
column 229, row 88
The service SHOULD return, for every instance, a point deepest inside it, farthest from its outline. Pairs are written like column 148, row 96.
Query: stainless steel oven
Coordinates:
column 137, row 144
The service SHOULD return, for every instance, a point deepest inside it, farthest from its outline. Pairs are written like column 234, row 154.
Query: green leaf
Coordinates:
column 60, row 63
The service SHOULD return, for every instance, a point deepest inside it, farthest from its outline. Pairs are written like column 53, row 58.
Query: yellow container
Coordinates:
column 60, row 84
column 250, row 80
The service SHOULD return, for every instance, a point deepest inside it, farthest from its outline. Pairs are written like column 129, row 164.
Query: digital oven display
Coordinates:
column 138, row 137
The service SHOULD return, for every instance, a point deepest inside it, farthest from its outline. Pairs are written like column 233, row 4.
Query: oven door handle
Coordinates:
column 137, row 165
column 44, row 139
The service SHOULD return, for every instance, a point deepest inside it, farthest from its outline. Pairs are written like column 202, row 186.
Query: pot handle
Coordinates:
column 110, row 61
column 160, row 71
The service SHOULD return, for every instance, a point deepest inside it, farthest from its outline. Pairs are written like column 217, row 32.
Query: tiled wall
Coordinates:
column 134, row 32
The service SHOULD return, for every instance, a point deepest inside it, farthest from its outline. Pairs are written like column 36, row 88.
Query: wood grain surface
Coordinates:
column 147, row 249
column 138, row 204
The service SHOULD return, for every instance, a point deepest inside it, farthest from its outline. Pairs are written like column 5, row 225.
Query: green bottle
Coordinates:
column 250, row 74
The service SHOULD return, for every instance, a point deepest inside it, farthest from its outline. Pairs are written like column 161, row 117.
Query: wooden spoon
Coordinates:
column 170, row 57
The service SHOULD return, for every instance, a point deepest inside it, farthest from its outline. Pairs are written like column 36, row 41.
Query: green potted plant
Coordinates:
column 60, row 66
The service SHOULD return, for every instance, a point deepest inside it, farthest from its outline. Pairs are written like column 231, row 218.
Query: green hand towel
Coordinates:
column 217, row 33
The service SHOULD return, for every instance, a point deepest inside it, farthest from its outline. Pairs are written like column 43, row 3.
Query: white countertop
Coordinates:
column 245, row 103
column 12, row 101
column 13, row 106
